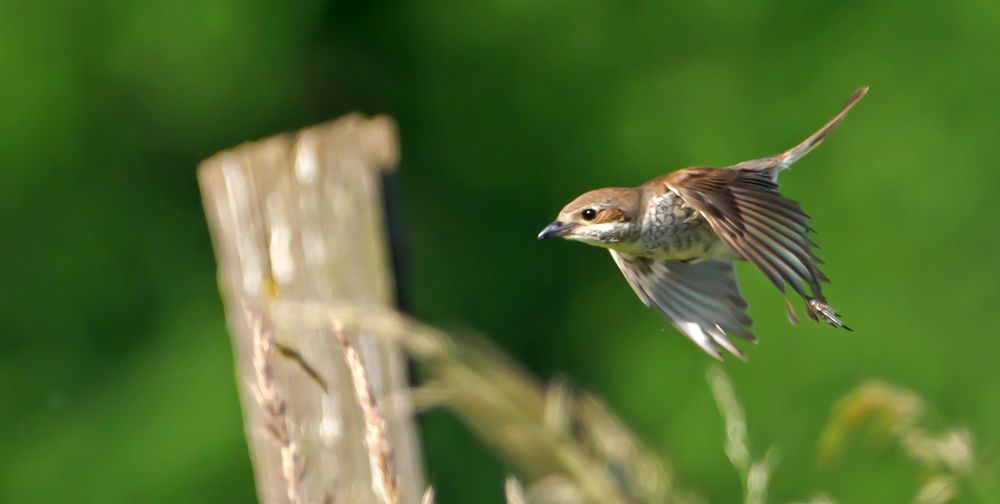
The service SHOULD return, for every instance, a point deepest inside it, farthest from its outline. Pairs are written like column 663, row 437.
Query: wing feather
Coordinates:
column 746, row 211
column 701, row 299
column 744, row 223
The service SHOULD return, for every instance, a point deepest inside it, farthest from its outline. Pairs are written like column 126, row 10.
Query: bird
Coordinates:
column 676, row 237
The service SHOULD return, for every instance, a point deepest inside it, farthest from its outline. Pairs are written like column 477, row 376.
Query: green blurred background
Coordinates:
column 116, row 372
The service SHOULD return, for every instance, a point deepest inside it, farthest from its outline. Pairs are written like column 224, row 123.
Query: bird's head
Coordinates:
column 604, row 217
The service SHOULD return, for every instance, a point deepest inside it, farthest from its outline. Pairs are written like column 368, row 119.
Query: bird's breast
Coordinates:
column 673, row 230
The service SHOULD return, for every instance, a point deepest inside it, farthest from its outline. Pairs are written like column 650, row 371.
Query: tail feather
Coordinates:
column 792, row 155
column 775, row 164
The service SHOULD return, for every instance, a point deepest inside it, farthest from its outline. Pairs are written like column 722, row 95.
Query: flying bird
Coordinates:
column 676, row 237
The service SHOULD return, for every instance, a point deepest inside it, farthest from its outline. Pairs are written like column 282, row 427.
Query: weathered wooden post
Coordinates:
column 299, row 218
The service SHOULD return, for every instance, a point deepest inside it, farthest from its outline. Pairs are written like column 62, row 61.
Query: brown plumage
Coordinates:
column 675, row 239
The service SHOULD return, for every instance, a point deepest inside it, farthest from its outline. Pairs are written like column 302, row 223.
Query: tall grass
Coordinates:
column 569, row 447
column 895, row 415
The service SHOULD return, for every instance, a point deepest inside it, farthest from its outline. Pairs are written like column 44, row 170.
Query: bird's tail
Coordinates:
column 775, row 164
column 785, row 159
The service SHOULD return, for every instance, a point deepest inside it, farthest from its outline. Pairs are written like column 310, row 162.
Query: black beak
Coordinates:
column 555, row 229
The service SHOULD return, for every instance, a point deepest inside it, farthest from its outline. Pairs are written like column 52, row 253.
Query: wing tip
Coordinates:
column 821, row 311
column 711, row 340
column 721, row 340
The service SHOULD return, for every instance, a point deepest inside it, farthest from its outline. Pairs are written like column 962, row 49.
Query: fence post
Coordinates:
column 300, row 218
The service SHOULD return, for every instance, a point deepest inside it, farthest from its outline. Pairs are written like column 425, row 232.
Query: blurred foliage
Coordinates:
column 117, row 370
column 946, row 457
column 754, row 475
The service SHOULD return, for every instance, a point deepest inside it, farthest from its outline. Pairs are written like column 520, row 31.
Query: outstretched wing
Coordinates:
column 746, row 211
column 701, row 299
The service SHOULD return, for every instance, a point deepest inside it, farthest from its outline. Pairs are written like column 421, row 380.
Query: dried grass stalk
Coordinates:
column 755, row 475
column 384, row 483
column 514, row 492
column 428, row 496
column 571, row 442
column 271, row 401
column 896, row 414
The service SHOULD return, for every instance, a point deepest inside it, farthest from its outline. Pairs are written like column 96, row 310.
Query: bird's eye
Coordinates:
column 589, row 214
